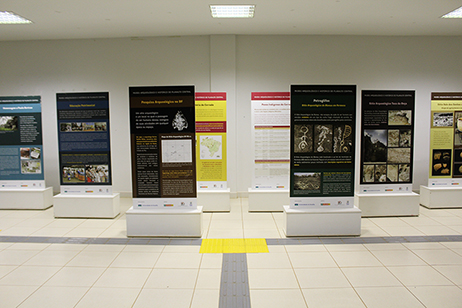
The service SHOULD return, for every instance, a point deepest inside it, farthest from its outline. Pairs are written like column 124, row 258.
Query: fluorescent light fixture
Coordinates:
column 232, row 11
column 457, row 13
column 7, row 18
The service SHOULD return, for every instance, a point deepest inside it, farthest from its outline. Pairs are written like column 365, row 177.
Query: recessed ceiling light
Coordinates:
column 232, row 11
column 12, row 18
column 454, row 14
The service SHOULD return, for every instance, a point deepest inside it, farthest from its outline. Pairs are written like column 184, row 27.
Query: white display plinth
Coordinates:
column 441, row 197
column 374, row 205
column 164, row 222
column 26, row 199
column 322, row 222
column 268, row 200
column 214, row 200
column 86, row 206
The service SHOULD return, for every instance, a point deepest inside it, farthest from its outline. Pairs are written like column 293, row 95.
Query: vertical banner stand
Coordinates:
column 271, row 151
column 85, row 157
column 444, row 188
column 387, row 146
column 213, row 193
column 322, row 162
column 162, row 133
column 22, row 184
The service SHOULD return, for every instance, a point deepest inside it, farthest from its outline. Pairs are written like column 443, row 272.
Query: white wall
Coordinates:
column 238, row 65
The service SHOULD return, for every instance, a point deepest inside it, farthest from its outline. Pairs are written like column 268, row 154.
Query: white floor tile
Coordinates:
column 48, row 231
column 205, row 298
column 172, row 279
column 16, row 257
column 181, row 248
column 370, row 277
column 439, row 296
column 452, row 272
column 52, row 258
column 6, row 269
column 437, row 230
column 123, row 277
column 268, row 260
column 55, row 297
column 424, row 245
column 386, row 297
column 109, row 297
column 164, row 298
column 311, row 259
column 277, row 299
column 76, row 277
column 402, row 231
column 373, row 232
column 33, row 222
column 419, row 276
column 420, row 221
column 224, row 233
column 332, row 298
column 272, row 279
column 84, row 232
column 179, row 260
column 143, row 248
column 398, row 257
column 259, row 224
column 385, row 246
column 66, row 247
column 439, row 257
column 19, row 231
column 12, row 296
column 104, row 247
column 29, row 275
column 355, row 258
column 349, row 247
column 209, row 279
column 29, row 246
column 309, row 278
column 262, row 233
column 305, row 248
column 94, row 258
column 136, row 259
column 211, row 260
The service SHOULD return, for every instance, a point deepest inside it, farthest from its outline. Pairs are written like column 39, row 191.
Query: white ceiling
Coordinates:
column 73, row 19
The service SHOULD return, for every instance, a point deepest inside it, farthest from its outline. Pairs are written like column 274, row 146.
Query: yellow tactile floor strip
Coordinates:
column 234, row 245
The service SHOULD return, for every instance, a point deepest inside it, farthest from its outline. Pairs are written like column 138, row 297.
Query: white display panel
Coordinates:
column 270, row 140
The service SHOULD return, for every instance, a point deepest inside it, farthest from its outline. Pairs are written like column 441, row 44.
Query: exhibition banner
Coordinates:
column 21, row 150
column 387, row 141
column 322, row 151
column 270, row 140
column 446, row 140
column 162, row 133
column 211, row 140
column 84, row 143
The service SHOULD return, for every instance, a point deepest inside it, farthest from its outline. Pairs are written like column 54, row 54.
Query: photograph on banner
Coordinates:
column 84, row 142
column 21, row 150
column 446, row 139
column 162, row 130
column 322, row 143
column 211, row 140
column 270, row 140
column 387, row 134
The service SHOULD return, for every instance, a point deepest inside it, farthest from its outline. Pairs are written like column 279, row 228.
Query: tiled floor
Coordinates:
column 317, row 274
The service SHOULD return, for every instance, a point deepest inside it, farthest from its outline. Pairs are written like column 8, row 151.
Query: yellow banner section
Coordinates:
column 446, row 124
column 211, row 111
column 211, row 140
